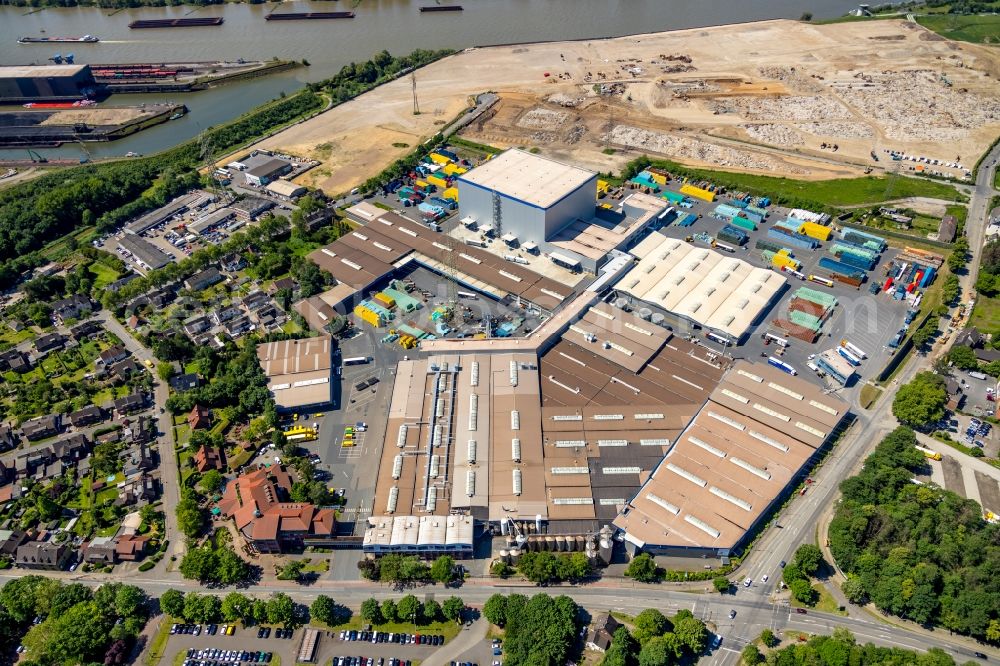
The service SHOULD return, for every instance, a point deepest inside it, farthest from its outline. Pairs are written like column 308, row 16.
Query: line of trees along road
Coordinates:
column 914, row 549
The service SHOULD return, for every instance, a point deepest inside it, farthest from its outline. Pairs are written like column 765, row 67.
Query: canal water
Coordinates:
column 394, row 25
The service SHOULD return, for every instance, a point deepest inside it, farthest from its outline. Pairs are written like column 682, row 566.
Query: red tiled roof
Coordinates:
column 252, row 500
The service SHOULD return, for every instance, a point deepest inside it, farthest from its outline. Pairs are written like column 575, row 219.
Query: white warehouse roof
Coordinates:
column 534, row 180
column 712, row 289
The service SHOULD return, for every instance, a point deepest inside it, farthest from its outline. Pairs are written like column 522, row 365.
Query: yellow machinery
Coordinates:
column 407, row 341
column 602, row 187
column 929, row 453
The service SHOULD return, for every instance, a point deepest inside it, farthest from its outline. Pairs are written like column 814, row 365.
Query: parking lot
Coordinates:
column 230, row 649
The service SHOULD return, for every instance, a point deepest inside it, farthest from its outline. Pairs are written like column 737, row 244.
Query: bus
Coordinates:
column 357, row 360
column 821, row 280
column 776, row 339
column 929, row 453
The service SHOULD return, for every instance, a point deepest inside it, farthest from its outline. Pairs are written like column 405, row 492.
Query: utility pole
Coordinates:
column 413, row 86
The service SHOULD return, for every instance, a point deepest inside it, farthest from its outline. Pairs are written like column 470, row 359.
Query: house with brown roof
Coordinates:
column 43, row 555
column 601, row 632
column 209, row 457
column 130, row 547
column 257, row 503
column 199, row 418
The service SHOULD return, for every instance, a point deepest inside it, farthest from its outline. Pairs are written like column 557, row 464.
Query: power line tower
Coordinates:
column 205, row 152
column 413, row 86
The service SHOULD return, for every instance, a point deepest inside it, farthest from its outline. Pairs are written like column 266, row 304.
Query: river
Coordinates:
column 394, row 25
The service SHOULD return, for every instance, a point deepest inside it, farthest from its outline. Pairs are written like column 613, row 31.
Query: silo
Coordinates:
column 580, row 543
column 657, row 319
column 515, row 555
column 645, row 313
column 621, row 304
column 550, row 544
column 560, row 544
column 591, row 554
column 605, row 546
column 505, row 555
column 538, row 523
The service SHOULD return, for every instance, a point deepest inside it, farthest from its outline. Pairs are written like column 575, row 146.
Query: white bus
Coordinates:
column 357, row 360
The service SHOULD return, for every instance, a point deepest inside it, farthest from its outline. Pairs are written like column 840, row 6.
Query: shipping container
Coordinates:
column 743, row 223
column 841, row 268
column 791, row 239
column 697, row 192
column 817, row 231
column 672, row 197
column 688, row 220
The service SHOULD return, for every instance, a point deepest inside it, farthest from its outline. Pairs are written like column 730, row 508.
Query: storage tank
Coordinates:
column 621, row 304
column 505, row 555
column 591, row 554
column 657, row 319
column 538, row 522
column 550, row 544
column 605, row 545
column 515, row 555
column 645, row 313
column 561, row 544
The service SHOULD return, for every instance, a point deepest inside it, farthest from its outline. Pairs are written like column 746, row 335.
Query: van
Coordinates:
column 355, row 191
column 812, row 366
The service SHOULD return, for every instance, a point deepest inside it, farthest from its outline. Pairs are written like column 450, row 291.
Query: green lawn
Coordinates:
column 837, row 193
column 869, row 394
column 826, row 603
column 979, row 29
column 320, row 566
column 986, row 314
column 106, row 495
column 103, row 274
column 12, row 337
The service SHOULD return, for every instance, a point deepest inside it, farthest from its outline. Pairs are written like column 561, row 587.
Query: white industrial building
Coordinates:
column 541, row 205
column 700, row 287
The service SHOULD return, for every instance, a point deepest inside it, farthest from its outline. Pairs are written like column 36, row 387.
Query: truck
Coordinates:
column 851, row 358
column 781, row 365
column 854, row 349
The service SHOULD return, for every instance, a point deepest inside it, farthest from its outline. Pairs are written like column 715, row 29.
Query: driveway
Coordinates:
column 469, row 645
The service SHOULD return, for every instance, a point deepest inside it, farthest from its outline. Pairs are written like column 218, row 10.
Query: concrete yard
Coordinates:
column 717, row 97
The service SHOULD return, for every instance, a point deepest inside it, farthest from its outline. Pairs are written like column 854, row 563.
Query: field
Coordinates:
column 862, row 87
column 986, row 314
column 976, row 28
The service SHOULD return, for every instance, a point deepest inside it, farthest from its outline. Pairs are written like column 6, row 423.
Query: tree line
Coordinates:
column 539, row 631
column 410, row 609
column 916, row 550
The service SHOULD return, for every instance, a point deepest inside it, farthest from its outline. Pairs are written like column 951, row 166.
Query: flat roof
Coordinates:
column 144, row 251
column 749, row 441
column 298, row 371
column 271, row 166
column 25, row 71
column 715, row 290
column 595, row 238
column 531, row 179
column 285, row 188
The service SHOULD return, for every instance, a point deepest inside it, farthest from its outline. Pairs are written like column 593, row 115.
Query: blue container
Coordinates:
column 928, row 278
column 794, row 240
column 757, row 209
column 856, row 261
column 841, row 268
column 688, row 220
column 739, row 203
column 756, row 218
column 447, row 153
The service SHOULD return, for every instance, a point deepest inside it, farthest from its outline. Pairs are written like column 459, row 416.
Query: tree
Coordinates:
column 389, row 611
column 643, row 569
column 192, row 607
column 854, row 590
column 408, row 608
column 130, row 601
column 692, row 634
column 190, row 517
column 495, row 610
column 808, row 557
column 230, row 568
column 623, row 651
column 806, row 16
column 803, row 592
column 768, row 638
column 236, row 606
column 540, row 630
column 452, row 608
column 501, row 569
column 963, row 357
column 721, row 584
column 68, row 596
column 921, row 401
column 172, row 603
column 650, row 623
column 292, row 570
column 370, row 612
column 657, row 652
column 211, row 480
column 950, row 290
column 324, row 610
column 165, row 370
column 443, row 569
column 751, row 656
column 280, row 609
column 923, row 335
column 199, row 564
column 431, row 611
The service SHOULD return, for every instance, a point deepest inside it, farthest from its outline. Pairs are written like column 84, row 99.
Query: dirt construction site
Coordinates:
column 724, row 97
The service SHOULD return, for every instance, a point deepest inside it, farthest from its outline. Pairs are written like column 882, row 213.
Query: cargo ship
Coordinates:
column 305, row 16
column 86, row 39
column 176, row 23
column 442, row 8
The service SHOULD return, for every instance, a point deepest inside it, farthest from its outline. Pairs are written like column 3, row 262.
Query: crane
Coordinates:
column 35, row 157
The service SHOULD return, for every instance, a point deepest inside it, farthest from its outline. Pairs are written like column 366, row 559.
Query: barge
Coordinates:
column 306, row 16
column 86, row 39
column 176, row 23
column 442, row 8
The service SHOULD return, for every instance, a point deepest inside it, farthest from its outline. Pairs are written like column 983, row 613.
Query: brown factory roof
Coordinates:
column 747, row 443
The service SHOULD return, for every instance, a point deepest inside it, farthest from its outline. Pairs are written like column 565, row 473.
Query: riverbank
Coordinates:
column 722, row 97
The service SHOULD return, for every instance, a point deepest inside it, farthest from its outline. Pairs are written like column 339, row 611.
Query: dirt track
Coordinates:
column 711, row 97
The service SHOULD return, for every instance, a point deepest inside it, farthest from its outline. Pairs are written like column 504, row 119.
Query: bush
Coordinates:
column 147, row 565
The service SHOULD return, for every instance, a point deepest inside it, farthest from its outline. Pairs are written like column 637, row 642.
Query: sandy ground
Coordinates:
column 760, row 97
column 100, row 115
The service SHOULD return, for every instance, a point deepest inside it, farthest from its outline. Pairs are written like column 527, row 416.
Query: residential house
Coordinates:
column 233, row 262
column 954, row 391
column 100, row 550
column 5, row 474
column 139, row 490
column 283, row 283
column 10, row 541
column 125, row 369
column 42, row 427
column 111, row 355
column 270, row 317
column 43, row 555
column 15, row 360
column 71, row 449
column 199, row 418
column 121, row 282
column 209, row 457
column 972, row 338
column 48, row 342
column 197, row 324
column 134, row 322
column 203, row 280
column 137, row 458
column 162, row 298
column 185, row 382
column 129, row 547
column 15, row 325
column 130, row 404
column 87, row 329
column 226, row 314
column 142, row 430
column 601, row 632
column 257, row 503
column 73, row 307
column 947, row 228
column 255, row 300
column 30, row 462
column 238, row 326
column 86, row 416
column 8, row 438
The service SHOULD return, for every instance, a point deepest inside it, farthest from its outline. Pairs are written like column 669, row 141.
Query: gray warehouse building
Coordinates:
column 541, row 205
column 35, row 83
